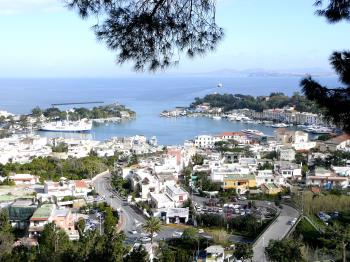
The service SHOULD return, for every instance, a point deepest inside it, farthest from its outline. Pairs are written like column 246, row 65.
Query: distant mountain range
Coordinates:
column 259, row 72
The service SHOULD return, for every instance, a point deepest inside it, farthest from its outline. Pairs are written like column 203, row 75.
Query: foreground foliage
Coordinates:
column 54, row 244
column 49, row 168
column 152, row 34
column 286, row 250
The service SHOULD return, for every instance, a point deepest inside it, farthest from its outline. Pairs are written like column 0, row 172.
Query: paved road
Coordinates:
column 131, row 219
column 276, row 231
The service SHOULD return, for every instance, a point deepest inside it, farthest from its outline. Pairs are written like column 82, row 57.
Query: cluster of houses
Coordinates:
column 31, row 204
column 126, row 145
column 156, row 181
column 24, row 148
column 234, row 170
column 285, row 115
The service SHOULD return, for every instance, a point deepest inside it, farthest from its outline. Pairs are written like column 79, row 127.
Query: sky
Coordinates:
column 42, row 38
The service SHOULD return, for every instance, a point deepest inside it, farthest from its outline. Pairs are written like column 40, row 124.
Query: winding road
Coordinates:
column 276, row 231
column 130, row 219
column 133, row 220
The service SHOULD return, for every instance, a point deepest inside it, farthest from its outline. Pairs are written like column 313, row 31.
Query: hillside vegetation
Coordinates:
column 274, row 100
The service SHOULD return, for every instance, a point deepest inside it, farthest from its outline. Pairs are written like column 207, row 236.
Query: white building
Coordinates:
column 218, row 173
column 206, row 141
column 288, row 169
column 267, row 176
column 24, row 179
column 239, row 137
column 177, row 194
column 173, row 215
column 286, row 154
column 74, row 188
column 327, row 179
column 161, row 200
column 215, row 253
column 143, row 182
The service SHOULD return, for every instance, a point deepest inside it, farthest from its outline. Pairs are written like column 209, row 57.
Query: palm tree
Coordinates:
column 152, row 226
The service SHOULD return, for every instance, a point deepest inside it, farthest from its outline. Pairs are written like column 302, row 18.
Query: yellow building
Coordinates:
column 239, row 182
column 271, row 189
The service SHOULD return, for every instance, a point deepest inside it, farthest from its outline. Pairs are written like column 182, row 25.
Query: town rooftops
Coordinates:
column 21, row 210
column 177, row 212
column 165, row 176
column 239, row 177
column 339, row 139
column 161, row 198
column 323, row 172
column 81, row 183
column 286, row 165
column 328, row 178
column 43, row 213
column 270, row 185
column 12, row 197
column 22, row 177
column 61, row 212
column 215, row 249
column 247, row 161
column 231, row 134
column 176, row 190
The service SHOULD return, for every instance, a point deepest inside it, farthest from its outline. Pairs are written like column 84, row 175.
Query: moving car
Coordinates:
column 145, row 239
column 177, row 234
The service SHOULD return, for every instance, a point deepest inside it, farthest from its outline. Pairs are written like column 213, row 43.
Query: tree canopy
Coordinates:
column 286, row 250
column 336, row 102
column 153, row 34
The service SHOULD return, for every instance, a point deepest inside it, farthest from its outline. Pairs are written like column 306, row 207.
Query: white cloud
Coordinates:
column 12, row 7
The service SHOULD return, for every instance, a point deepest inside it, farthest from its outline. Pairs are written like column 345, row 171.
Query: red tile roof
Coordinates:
column 80, row 183
column 339, row 139
column 231, row 134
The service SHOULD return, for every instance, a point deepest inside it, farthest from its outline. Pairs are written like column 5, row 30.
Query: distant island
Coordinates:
column 230, row 102
column 275, row 110
column 101, row 112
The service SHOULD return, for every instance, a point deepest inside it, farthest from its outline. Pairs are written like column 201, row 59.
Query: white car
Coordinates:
column 177, row 234
column 293, row 221
column 200, row 231
column 145, row 239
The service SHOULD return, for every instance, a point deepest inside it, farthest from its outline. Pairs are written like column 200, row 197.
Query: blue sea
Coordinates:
column 148, row 96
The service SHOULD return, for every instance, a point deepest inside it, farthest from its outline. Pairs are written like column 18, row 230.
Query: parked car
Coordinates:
column 200, row 231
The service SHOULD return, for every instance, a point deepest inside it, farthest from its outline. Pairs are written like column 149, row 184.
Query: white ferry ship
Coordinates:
column 68, row 126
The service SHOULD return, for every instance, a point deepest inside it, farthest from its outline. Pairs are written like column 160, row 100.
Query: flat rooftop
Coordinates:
column 43, row 213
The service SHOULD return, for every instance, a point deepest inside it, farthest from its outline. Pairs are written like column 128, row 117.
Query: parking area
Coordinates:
column 234, row 209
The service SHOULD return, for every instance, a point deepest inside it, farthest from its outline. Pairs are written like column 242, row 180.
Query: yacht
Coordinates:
column 318, row 129
column 217, row 117
column 219, row 85
column 253, row 132
column 83, row 125
column 280, row 125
